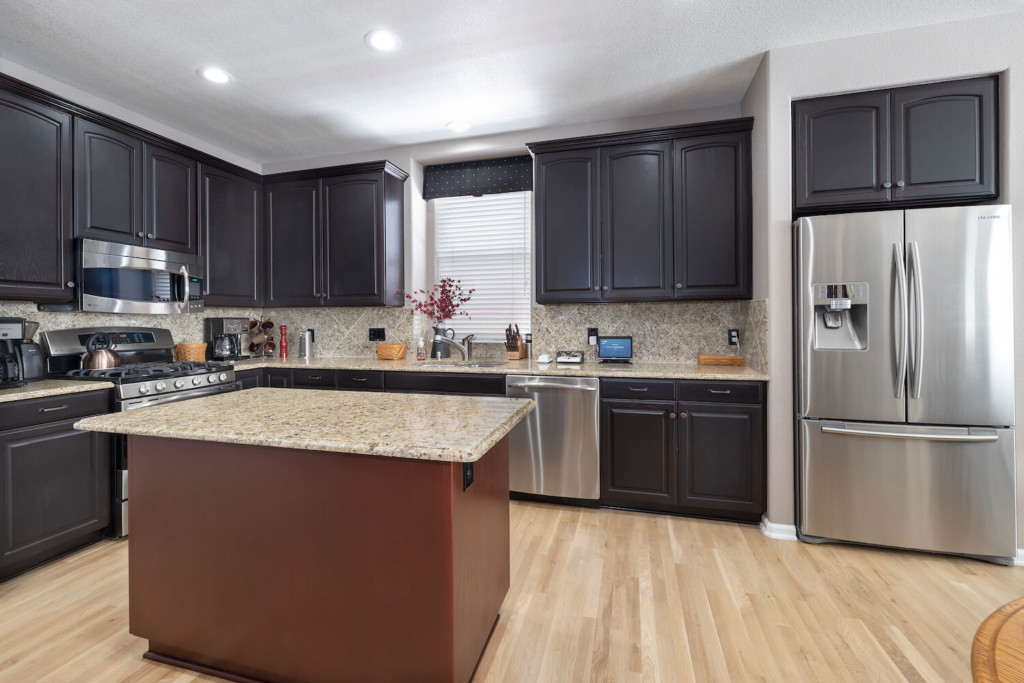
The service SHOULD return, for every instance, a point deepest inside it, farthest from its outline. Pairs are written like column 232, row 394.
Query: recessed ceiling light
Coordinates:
column 458, row 126
column 383, row 41
column 215, row 75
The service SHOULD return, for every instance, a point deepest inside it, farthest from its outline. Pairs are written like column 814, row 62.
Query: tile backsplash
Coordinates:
column 662, row 332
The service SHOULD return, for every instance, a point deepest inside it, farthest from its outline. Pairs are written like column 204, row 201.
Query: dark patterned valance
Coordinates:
column 487, row 176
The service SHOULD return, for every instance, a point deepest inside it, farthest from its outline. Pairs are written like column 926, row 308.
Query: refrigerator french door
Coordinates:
column 905, row 380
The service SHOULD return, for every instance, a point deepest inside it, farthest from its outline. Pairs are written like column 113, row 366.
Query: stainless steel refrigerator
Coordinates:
column 905, row 380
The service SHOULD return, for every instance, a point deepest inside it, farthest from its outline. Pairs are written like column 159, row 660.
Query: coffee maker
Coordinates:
column 224, row 338
column 11, row 330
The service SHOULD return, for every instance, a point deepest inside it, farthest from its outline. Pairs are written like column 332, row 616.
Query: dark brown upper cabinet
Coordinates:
column 568, row 237
column 36, row 257
column 335, row 236
column 914, row 146
column 636, row 220
column 712, row 217
column 650, row 215
column 170, row 220
column 231, row 222
column 108, row 184
column 292, row 275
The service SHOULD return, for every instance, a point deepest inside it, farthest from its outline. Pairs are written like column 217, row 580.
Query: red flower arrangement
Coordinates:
column 442, row 302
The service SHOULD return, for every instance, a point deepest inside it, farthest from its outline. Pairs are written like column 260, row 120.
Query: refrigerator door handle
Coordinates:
column 916, row 367
column 900, row 327
column 975, row 435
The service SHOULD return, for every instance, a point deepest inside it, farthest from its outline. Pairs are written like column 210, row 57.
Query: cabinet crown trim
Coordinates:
column 639, row 136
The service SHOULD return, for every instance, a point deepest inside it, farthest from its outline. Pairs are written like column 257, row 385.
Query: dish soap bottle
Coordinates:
column 421, row 350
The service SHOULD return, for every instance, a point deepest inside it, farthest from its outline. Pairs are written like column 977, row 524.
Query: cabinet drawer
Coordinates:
column 313, row 378
column 445, row 383
column 360, row 379
column 723, row 392
column 36, row 411
column 638, row 389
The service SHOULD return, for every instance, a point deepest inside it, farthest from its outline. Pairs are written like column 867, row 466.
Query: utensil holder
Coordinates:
column 520, row 351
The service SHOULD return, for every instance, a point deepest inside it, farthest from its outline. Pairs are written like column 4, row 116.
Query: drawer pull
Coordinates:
column 358, row 379
column 719, row 391
column 638, row 388
column 315, row 377
column 671, row 416
column 53, row 409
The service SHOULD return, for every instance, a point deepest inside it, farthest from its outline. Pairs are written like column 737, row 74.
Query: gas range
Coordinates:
column 148, row 375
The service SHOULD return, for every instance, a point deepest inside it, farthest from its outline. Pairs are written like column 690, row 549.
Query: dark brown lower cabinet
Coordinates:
column 639, row 447
column 54, row 492
column 281, row 379
column 702, row 457
column 250, row 379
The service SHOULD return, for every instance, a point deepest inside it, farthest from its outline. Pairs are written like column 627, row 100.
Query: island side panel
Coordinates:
column 481, row 554
column 284, row 565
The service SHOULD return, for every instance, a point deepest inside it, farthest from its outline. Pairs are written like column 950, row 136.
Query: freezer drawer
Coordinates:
column 941, row 489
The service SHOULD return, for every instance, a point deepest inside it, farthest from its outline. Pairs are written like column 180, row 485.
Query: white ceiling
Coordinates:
column 307, row 86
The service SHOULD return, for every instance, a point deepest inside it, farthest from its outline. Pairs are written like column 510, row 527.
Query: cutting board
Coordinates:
column 708, row 359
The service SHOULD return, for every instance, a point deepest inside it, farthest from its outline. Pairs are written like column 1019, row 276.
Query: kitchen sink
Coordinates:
column 466, row 365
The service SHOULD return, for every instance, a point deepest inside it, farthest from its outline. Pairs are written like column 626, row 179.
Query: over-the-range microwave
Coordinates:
column 122, row 278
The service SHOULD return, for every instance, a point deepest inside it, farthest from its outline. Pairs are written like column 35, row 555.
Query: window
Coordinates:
column 485, row 242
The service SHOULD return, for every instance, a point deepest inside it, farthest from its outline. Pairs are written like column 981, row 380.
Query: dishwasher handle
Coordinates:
column 571, row 387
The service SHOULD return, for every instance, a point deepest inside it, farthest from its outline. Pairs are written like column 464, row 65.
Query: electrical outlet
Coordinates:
column 734, row 336
column 377, row 334
column 592, row 336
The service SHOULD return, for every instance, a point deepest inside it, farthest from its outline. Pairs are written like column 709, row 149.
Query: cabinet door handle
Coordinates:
column 597, row 288
column 71, row 283
column 679, row 285
column 886, row 185
column 682, row 416
column 605, row 288
column 719, row 391
column 638, row 389
column 149, row 235
column 138, row 234
column 900, row 183
column 358, row 379
column 316, row 377
column 671, row 416
column 53, row 409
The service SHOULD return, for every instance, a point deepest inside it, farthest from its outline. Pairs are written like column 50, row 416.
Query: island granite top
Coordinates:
column 636, row 370
column 417, row 426
column 52, row 387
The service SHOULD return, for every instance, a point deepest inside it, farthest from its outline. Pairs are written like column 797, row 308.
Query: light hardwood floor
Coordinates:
column 602, row 595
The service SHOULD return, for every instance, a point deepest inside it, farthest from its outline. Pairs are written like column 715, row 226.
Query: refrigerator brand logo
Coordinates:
column 984, row 217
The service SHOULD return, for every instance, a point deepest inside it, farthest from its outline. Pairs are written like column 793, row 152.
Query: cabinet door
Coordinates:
column 250, row 379
column 722, row 460
column 712, row 217
column 568, row 239
column 944, row 140
column 354, row 240
column 281, row 379
column 170, row 201
column 35, row 201
column 230, row 218
column 293, row 250
column 636, row 219
column 841, row 150
column 638, row 454
column 54, row 492
column 108, row 184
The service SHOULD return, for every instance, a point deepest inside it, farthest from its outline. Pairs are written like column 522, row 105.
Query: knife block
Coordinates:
column 520, row 351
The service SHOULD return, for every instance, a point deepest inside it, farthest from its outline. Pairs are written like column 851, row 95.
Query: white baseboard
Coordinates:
column 1019, row 560
column 787, row 532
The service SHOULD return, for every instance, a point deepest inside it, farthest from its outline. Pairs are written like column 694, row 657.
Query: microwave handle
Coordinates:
column 184, row 274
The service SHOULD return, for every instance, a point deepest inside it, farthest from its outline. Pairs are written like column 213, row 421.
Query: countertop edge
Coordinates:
column 46, row 388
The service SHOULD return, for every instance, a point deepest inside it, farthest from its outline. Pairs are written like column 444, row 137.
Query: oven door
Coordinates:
column 121, row 278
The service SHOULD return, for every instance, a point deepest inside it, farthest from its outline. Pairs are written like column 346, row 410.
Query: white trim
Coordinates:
column 1018, row 561
column 787, row 532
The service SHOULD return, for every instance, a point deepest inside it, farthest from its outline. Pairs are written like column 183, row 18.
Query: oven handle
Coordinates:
column 134, row 403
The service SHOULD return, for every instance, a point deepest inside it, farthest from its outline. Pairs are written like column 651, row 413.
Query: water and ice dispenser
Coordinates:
column 841, row 316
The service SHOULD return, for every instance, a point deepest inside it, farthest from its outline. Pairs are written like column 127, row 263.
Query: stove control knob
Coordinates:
column 223, row 377
column 143, row 388
column 160, row 386
column 179, row 383
column 211, row 378
column 197, row 381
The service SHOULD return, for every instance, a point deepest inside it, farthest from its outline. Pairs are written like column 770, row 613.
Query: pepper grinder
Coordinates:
column 284, row 342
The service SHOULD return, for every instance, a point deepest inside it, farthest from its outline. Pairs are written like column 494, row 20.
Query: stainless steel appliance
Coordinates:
column 554, row 451
column 148, row 375
column 905, row 375
column 224, row 337
column 306, row 340
column 11, row 330
column 121, row 278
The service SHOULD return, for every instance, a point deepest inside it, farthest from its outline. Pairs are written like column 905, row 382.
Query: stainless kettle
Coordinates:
column 99, row 353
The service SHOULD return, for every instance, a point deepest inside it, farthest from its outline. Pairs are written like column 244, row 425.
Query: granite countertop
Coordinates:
column 520, row 367
column 51, row 387
column 417, row 426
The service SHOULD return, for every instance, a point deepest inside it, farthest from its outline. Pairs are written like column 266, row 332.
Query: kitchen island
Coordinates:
column 318, row 535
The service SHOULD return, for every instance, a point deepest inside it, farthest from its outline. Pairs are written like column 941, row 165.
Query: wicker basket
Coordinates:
column 391, row 351
column 190, row 352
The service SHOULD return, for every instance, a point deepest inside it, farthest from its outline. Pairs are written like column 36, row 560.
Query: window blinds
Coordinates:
column 485, row 242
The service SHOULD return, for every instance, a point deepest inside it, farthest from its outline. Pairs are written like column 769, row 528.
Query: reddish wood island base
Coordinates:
column 273, row 564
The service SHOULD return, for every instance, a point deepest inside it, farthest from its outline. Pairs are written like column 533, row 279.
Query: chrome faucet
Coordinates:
column 467, row 341
column 451, row 342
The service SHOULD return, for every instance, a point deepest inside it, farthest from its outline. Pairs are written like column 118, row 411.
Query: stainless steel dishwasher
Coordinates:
column 554, row 451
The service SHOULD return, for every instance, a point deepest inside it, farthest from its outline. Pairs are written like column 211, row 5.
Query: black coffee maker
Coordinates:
column 12, row 336
column 224, row 338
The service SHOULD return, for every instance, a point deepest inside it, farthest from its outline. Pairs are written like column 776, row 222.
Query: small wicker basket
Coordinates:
column 196, row 352
column 391, row 351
